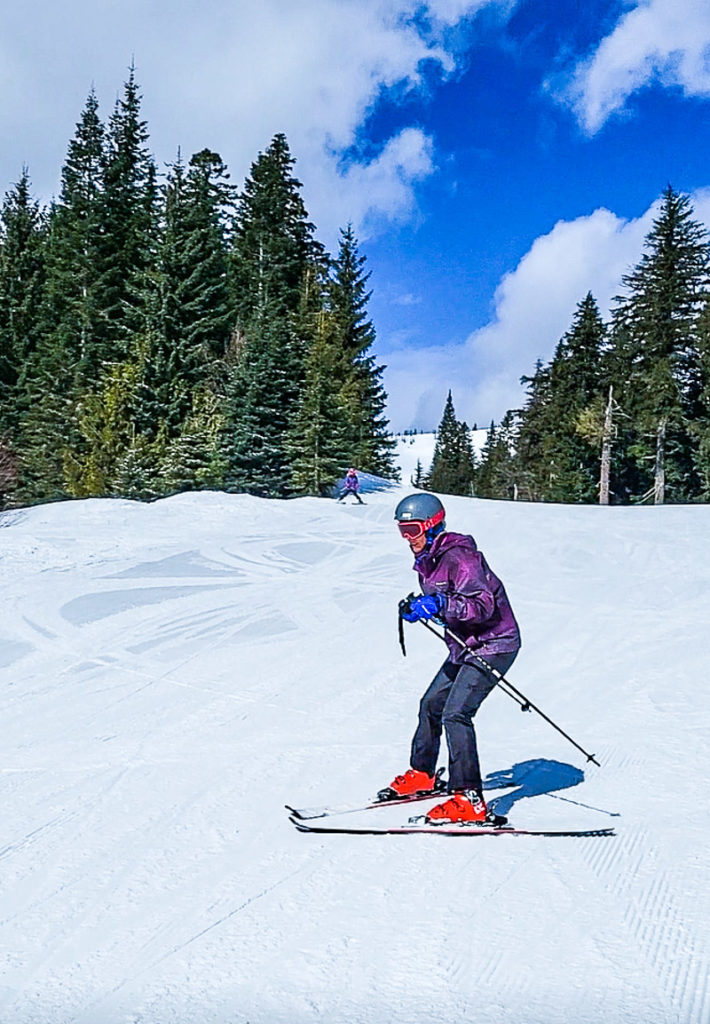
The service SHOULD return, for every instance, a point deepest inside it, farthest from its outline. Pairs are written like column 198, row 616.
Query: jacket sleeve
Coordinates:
column 469, row 596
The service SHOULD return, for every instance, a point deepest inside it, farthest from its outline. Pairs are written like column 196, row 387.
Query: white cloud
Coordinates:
column 229, row 76
column 665, row 41
column 534, row 306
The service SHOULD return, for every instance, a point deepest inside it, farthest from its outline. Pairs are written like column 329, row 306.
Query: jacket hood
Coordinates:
column 446, row 541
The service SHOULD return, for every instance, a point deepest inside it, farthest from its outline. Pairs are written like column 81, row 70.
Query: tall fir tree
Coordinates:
column 72, row 314
column 534, row 473
column 187, row 303
column 363, row 395
column 321, row 438
column 453, row 466
column 128, row 211
column 74, row 311
column 272, row 251
column 554, row 455
column 22, row 285
column 656, row 324
column 497, row 471
column 701, row 424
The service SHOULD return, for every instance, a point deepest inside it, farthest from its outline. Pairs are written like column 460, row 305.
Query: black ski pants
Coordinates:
column 453, row 698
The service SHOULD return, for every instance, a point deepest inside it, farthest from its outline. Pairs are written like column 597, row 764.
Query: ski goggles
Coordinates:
column 413, row 528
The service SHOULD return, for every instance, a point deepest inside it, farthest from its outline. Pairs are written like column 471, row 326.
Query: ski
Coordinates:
column 326, row 810
column 444, row 830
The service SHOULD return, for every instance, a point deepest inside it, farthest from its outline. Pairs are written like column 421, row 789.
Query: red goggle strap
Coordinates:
column 434, row 520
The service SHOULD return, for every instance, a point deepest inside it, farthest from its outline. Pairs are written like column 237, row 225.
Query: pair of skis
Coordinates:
column 317, row 820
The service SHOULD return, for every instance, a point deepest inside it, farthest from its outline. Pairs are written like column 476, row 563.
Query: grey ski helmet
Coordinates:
column 422, row 507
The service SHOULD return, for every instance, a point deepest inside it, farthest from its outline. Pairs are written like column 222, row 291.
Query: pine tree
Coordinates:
column 371, row 446
column 701, row 424
column 273, row 240
column 656, row 321
column 128, row 227
column 272, row 252
column 22, row 283
column 72, row 316
column 194, row 460
column 74, row 313
column 200, row 274
column 106, row 420
column 186, row 300
column 534, row 474
column 567, row 465
column 320, row 444
column 8, row 473
column 258, row 421
column 453, row 465
column 497, row 471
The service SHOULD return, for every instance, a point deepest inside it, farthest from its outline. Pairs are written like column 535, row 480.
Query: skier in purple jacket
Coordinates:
column 459, row 590
column 352, row 486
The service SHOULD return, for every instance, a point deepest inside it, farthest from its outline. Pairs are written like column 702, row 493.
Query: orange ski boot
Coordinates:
column 460, row 807
column 411, row 783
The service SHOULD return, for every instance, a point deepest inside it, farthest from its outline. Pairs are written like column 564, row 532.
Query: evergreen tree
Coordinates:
column 186, row 298
column 560, row 461
column 371, row 446
column 136, row 472
column 497, row 472
column 534, row 475
column 272, row 252
column 8, row 473
column 74, row 312
column 701, row 424
column 258, row 421
column 453, row 465
column 22, row 281
column 273, row 240
column 194, row 460
column 321, row 436
column 106, row 421
column 197, row 246
column 656, row 322
column 128, row 226
column 72, row 315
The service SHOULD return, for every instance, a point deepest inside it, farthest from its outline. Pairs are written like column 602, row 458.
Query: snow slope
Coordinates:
column 420, row 447
column 173, row 673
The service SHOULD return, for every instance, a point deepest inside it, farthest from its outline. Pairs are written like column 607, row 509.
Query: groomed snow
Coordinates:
column 174, row 673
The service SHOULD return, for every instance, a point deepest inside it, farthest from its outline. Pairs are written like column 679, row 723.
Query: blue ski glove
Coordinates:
column 426, row 606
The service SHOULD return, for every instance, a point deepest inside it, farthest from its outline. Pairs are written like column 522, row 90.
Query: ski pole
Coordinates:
column 507, row 687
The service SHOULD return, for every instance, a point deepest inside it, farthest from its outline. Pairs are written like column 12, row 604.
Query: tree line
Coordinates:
column 166, row 331
column 621, row 413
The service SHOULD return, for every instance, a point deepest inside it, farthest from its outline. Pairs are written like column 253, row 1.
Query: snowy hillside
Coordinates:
column 174, row 673
column 420, row 447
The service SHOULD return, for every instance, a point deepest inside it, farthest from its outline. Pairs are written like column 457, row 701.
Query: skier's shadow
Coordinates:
column 530, row 778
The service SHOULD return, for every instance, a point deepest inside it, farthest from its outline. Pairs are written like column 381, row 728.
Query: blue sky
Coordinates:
column 499, row 159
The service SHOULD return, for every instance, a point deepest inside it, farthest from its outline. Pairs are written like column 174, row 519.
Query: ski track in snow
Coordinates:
column 172, row 674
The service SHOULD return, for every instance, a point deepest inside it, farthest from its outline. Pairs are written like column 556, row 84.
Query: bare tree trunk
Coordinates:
column 606, row 449
column 659, row 473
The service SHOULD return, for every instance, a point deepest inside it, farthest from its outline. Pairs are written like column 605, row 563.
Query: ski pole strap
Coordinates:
column 401, row 634
column 403, row 607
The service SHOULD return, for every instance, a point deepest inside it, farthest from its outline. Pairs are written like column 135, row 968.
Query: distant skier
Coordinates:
column 352, row 486
column 460, row 591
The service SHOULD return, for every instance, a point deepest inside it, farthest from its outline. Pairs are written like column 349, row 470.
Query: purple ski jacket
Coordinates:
column 477, row 607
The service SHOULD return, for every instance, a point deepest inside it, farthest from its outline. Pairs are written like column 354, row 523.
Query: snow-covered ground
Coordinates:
column 174, row 673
